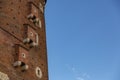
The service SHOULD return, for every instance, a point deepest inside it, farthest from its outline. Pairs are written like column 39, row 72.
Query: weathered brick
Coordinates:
column 13, row 19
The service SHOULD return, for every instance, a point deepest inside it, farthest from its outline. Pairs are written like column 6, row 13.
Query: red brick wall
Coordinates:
column 13, row 17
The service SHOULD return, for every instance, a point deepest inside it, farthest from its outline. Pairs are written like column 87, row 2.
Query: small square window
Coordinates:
column 22, row 54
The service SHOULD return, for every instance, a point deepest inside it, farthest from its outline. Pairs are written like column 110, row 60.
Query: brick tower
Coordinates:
column 23, row 53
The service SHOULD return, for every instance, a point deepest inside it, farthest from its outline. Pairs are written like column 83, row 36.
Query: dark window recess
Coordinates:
column 21, row 57
column 30, row 36
column 33, row 14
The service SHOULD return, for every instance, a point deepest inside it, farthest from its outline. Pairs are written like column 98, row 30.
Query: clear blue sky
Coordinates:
column 83, row 39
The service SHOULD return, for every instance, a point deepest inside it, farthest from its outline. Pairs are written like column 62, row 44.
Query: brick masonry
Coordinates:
column 13, row 31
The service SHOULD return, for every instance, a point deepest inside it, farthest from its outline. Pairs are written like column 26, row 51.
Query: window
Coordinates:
column 33, row 14
column 41, row 7
column 38, row 72
column 21, row 57
column 30, row 37
column 40, row 24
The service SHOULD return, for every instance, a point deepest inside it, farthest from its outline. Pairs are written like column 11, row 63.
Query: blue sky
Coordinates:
column 83, row 39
